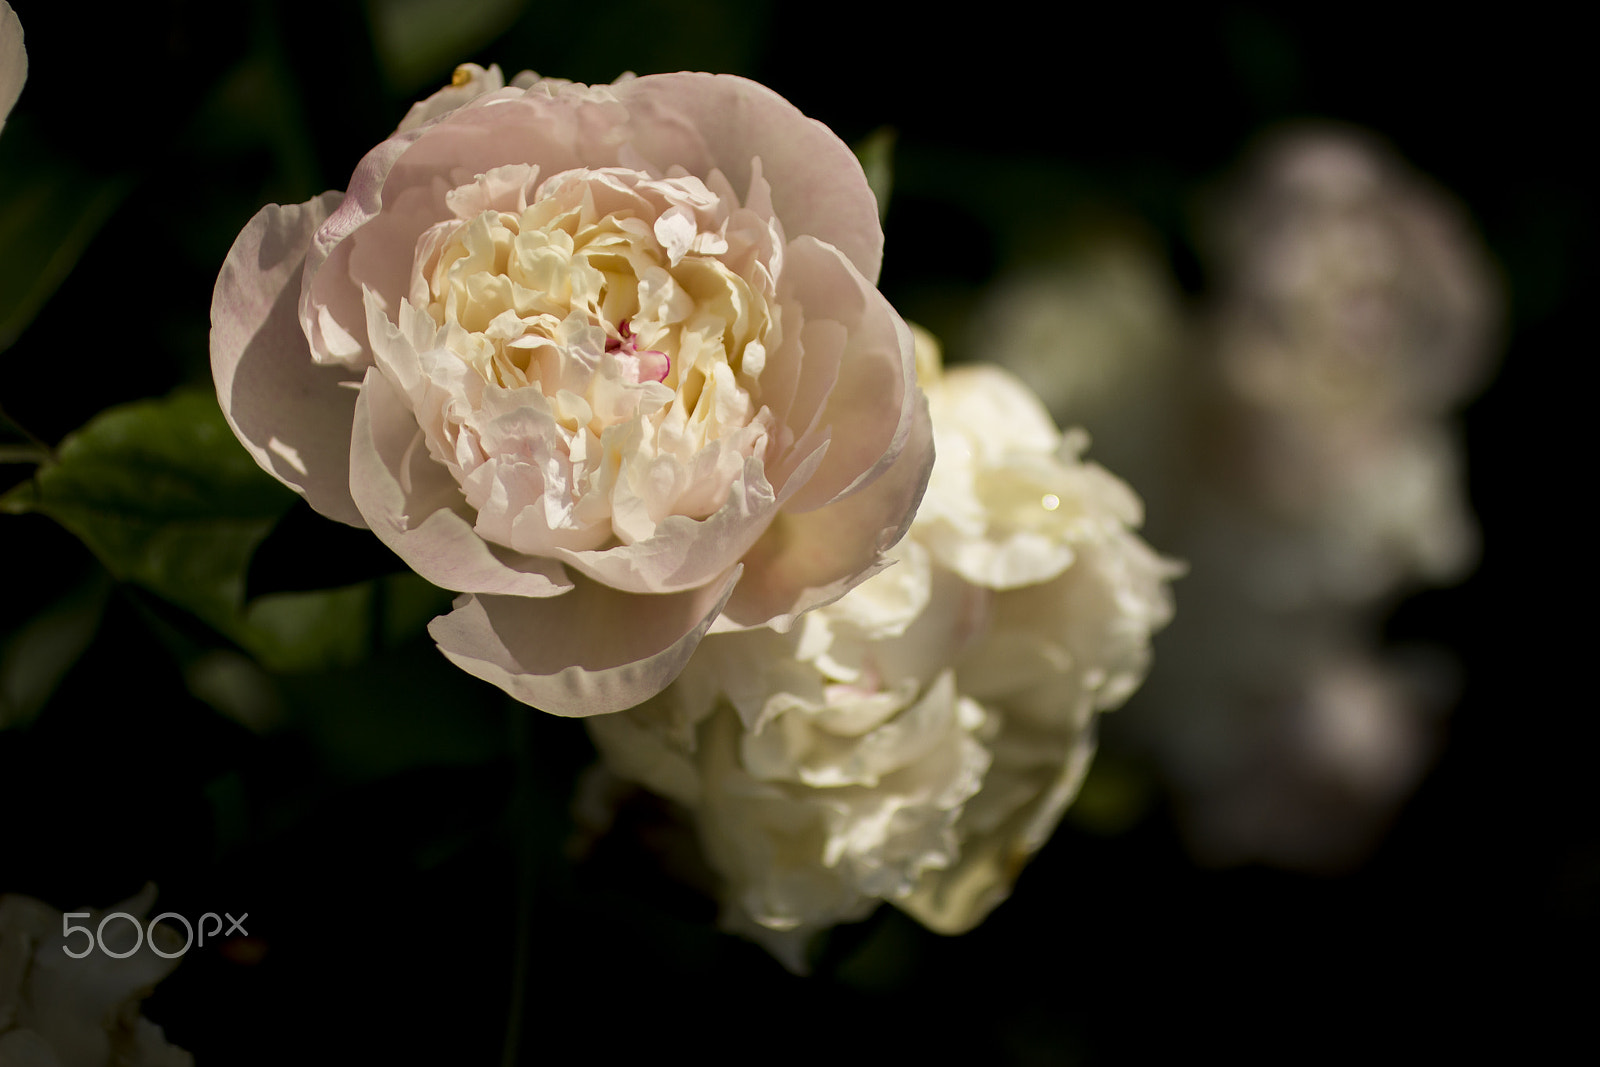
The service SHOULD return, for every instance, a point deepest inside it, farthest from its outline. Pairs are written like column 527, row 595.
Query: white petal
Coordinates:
column 591, row 651
column 291, row 414
column 814, row 558
column 416, row 508
column 721, row 121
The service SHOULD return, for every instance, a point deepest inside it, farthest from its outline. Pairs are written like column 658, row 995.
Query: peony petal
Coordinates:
column 331, row 311
column 818, row 186
column 955, row 899
column 996, row 410
column 416, row 508
column 813, row 558
column 592, row 651
column 407, row 177
column 469, row 82
column 871, row 406
column 13, row 61
column 291, row 414
column 685, row 553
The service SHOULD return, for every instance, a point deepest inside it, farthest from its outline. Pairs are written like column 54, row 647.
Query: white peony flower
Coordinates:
column 1098, row 333
column 1352, row 286
column 1356, row 307
column 61, row 1011
column 1357, row 310
column 918, row 739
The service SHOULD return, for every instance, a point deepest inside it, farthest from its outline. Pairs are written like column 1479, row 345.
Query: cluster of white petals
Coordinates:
column 608, row 361
column 581, row 354
column 918, row 739
column 60, row 1011
column 1293, row 442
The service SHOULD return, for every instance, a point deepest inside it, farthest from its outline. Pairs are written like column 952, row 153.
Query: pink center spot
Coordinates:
column 653, row 365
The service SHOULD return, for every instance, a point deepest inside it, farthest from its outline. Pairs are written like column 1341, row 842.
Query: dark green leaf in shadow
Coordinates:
column 876, row 153
column 587, row 44
column 312, row 631
column 24, row 454
column 417, row 40
column 309, row 631
column 253, row 120
column 235, row 685
column 403, row 709
column 162, row 493
column 877, row 955
column 35, row 659
column 50, row 209
column 307, row 551
column 1116, row 796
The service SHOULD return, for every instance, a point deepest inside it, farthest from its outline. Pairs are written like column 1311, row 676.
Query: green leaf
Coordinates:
column 330, row 628
column 396, row 711
column 876, row 153
column 165, row 496
column 416, row 40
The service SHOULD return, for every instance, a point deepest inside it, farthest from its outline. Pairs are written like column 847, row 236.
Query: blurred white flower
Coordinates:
column 1098, row 334
column 1355, row 307
column 1298, row 747
column 917, row 740
column 1352, row 286
column 61, row 1011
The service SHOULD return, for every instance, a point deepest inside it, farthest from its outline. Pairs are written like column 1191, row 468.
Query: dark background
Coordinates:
column 376, row 838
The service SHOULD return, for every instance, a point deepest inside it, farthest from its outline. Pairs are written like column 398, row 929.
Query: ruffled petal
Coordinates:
column 869, row 409
column 331, row 310
column 813, row 558
column 684, row 552
column 469, row 82
column 291, row 414
column 818, row 186
column 398, row 191
column 957, row 898
column 416, row 508
column 591, row 651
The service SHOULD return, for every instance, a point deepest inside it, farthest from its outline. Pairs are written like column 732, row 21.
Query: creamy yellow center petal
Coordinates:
column 606, row 294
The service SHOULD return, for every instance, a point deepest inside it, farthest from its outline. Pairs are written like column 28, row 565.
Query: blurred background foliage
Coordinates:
column 204, row 684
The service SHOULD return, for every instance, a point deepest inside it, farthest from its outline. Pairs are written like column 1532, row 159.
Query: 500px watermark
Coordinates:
column 96, row 938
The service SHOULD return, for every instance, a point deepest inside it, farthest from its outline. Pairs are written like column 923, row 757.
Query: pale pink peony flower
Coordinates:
column 609, row 361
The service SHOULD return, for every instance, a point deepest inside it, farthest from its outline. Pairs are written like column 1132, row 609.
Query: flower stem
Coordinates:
column 35, row 451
